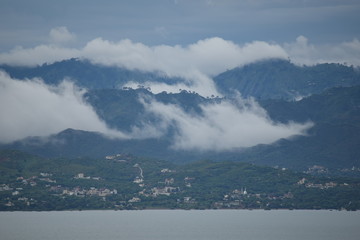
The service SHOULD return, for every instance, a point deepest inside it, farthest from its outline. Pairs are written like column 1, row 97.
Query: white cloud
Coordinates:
column 223, row 126
column 196, row 63
column 32, row 108
column 61, row 35
column 210, row 56
column 38, row 55
column 303, row 53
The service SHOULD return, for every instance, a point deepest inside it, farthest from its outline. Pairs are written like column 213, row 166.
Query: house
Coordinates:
column 169, row 181
column 134, row 200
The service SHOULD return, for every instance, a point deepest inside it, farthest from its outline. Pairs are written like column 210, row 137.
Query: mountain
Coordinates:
column 85, row 74
column 121, row 108
column 269, row 79
column 280, row 79
column 333, row 142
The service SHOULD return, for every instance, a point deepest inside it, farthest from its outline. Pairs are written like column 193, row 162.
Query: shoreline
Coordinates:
column 179, row 209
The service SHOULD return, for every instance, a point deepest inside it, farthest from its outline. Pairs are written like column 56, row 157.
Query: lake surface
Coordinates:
column 181, row 224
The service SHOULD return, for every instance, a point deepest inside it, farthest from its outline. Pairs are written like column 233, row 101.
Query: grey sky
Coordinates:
column 27, row 23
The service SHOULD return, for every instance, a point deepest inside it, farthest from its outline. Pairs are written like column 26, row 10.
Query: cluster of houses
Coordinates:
column 92, row 191
column 307, row 184
column 82, row 176
column 31, row 181
column 317, row 169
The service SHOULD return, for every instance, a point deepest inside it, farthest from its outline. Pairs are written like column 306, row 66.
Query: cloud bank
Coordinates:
column 302, row 52
column 195, row 63
column 209, row 56
column 31, row 108
column 224, row 126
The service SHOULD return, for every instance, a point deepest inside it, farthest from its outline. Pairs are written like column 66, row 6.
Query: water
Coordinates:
column 181, row 224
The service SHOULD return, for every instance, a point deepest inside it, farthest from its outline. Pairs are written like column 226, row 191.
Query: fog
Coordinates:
column 32, row 108
column 222, row 126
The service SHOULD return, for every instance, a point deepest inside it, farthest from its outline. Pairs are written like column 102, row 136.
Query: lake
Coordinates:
column 181, row 224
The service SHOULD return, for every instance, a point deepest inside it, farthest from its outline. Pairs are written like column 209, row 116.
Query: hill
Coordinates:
column 269, row 79
column 332, row 143
column 128, row 182
column 334, row 140
column 280, row 79
column 85, row 74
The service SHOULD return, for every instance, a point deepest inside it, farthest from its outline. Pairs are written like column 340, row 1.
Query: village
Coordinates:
column 163, row 187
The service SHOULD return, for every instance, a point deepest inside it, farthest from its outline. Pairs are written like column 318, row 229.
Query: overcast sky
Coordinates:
column 27, row 23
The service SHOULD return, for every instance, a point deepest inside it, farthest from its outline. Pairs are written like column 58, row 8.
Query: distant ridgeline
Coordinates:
column 327, row 94
column 86, row 74
column 270, row 79
column 280, row 79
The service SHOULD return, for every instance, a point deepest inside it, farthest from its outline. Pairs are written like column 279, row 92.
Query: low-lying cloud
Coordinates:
column 302, row 52
column 196, row 63
column 209, row 56
column 221, row 126
column 32, row 108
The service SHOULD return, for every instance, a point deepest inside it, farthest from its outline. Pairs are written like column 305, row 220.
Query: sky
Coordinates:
column 191, row 39
column 179, row 22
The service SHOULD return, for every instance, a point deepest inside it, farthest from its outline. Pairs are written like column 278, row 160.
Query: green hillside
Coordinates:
column 85, row 74
column 333, row 142
column 127, row 182
column 280, row 79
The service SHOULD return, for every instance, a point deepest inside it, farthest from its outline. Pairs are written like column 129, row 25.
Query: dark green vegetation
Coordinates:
column 270, row 79
column 123, row 181
column 279, row 79
column 333, row 142
column 84, row 74
column 71, row 171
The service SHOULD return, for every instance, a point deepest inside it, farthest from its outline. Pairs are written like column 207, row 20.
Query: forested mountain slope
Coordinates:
column 280, row 79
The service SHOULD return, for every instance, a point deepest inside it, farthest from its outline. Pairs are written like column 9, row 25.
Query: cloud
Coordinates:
column 304, row 53
column 219, row 127
column 38, row 55
column 210, row 56
column 32, row 108
column 61, row 35
column 196, row 63
column 222, row 126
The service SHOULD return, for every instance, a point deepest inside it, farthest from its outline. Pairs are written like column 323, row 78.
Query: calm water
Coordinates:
column 180, row 224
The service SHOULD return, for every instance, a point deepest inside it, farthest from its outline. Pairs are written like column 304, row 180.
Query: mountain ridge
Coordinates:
column 266, row 79
column 333, row 142
column 281, row 79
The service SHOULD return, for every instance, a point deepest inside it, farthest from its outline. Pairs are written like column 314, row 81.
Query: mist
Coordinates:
column 32, row 108
column 221, row 126
column 195, row 63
